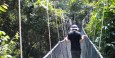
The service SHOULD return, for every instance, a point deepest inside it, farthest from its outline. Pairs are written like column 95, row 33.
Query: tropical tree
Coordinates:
column 100, row 28
column 34, row 25
column 9, row 47
column 78, row 10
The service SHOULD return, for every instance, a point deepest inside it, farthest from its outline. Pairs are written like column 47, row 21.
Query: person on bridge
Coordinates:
column 75, row 37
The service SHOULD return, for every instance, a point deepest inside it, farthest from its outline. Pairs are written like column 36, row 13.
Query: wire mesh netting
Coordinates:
column 62, row 50
column 88, row 49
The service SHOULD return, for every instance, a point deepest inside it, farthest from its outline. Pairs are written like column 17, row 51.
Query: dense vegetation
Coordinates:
column 34, row 26
column 100, row 28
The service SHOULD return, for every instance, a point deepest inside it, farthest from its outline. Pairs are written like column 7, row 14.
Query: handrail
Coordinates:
column 60, row 50
column 51, row 50
column 97, row 51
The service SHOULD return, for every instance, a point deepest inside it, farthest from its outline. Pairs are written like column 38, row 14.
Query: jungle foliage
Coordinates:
column 34, row 25
column 100, row 26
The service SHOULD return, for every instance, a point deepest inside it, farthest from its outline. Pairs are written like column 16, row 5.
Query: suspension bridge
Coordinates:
column 62, row 49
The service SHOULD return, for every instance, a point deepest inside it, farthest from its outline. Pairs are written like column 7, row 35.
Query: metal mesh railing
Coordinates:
column 89, row 50
column 62, row 50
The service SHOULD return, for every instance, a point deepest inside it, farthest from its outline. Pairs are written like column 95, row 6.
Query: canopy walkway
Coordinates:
column 62, row 49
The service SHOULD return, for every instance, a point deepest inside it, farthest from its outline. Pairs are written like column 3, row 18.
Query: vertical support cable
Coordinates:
column 48, row 24
column 64, row 26
column 21, row 56
column 62, row 23
column 74, row 22
column 57, row 25
column 101, row 28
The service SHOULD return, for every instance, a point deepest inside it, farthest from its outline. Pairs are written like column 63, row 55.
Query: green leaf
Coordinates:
column 112, row 6
column 113, row 1
column 17, row 35
column 5, row 7
column 8, row 56
column 2, row 33
column 2, row 9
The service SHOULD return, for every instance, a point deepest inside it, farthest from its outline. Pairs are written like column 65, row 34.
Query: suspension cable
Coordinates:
column 101, row 27
column 62, row 24
column 95, row 25
column 48, row 24
column 21, row 56
column 57, row 26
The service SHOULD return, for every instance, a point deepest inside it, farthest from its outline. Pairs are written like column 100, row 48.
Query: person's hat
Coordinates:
column 74, row 27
